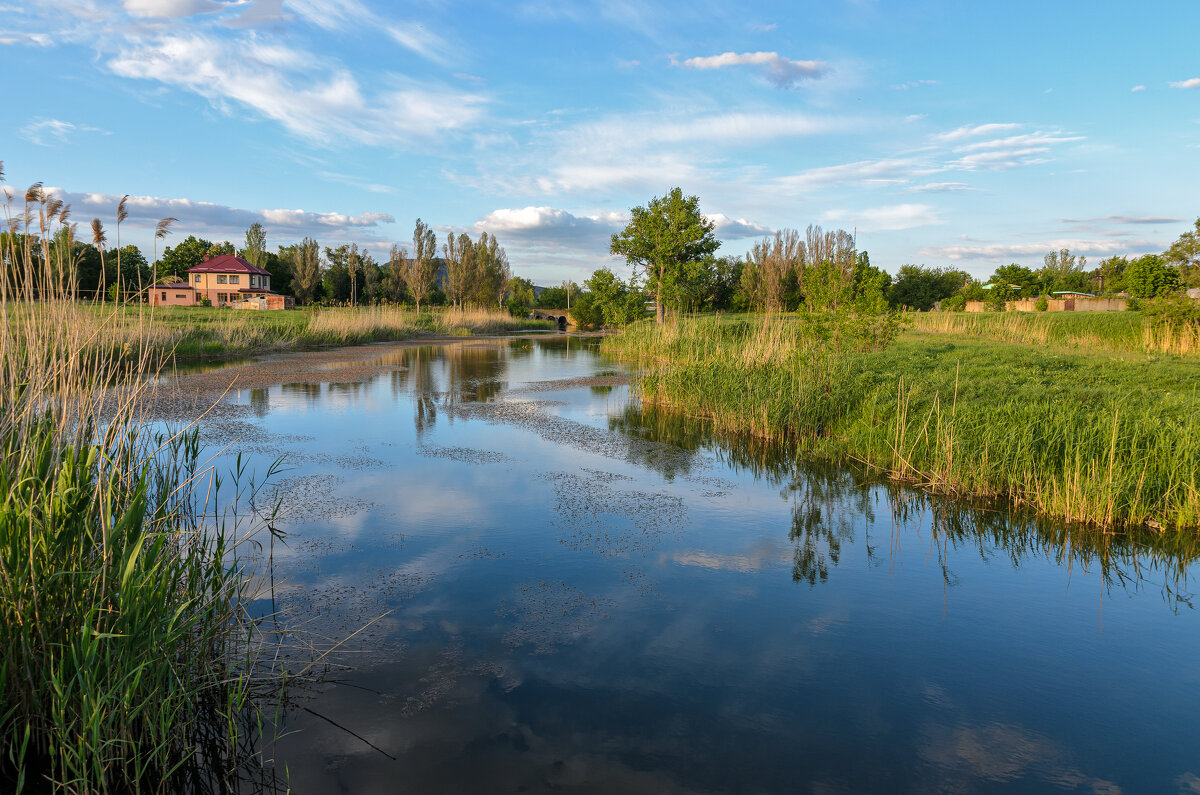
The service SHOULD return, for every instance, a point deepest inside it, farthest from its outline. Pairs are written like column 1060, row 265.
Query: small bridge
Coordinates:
column 560, row 316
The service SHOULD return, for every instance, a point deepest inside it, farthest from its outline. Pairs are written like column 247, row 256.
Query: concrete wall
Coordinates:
column 1058, row 305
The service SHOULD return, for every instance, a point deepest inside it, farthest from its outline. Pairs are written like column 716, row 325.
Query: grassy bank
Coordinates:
column 126, row 659
column 1115, row 332
column 1107, row 438
column 188, row 332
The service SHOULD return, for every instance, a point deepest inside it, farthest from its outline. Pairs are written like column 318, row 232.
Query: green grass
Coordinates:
column 1104, row 438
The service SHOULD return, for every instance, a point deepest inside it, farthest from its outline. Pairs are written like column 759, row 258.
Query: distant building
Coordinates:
column 1071, row 294
column 226, row 280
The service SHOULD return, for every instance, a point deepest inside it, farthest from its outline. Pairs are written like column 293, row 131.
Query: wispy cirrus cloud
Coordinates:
column 1124, row 219
column 782, row 72
column 887, row 218
column 887, row 171
column 171, row 9
column 940, row 187
column 975, row 130
column 309, row 96
column 54, row 132
column 1010, row 251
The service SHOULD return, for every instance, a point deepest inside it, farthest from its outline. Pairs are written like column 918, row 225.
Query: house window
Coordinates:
column 164, row 297
column 177, row 295
column 221, row 298
column 233, row 279
column 197, row 278
column 220, row 280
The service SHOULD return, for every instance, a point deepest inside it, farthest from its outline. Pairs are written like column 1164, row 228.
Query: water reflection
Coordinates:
column 579, row 594
column 832, row 504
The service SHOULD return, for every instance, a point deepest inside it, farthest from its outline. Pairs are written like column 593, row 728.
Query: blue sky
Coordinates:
column 946, row 133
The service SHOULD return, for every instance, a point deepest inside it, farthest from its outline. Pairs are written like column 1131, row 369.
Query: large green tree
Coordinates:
column 1184, row 254
column 666, row 239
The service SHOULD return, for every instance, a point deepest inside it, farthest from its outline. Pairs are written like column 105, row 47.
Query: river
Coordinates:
column 563, row 593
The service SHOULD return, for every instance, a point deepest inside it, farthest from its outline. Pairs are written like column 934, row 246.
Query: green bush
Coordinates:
column 1042, row 303
column 955, row 303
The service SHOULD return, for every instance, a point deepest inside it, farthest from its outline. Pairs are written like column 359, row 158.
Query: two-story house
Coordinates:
column 226, row 280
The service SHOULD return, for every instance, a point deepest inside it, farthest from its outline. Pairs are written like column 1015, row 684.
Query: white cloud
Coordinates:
column 1135, row 89
column 764, row 28
column 318, row 101
column 1191, row 82
column 728, row 228
column 170, row 9
column 199, row 217
column 549, row 227
column 940, row 187
column 887, row 218
column 973, row 130
column 783, row 72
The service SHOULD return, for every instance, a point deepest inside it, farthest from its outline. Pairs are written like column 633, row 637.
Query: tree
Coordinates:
column 918, row 287
column 619, row 303
column 305, row 261
column 394, row 278
column 420, row 272
column 1063, row 271
column 1150, row 277
column 520, row 296
column 459, row 253
column 1111, row 274
column 190, row 252
column 662, row 238
column 1027, row 283
column 1184, row 254
column 255, row 251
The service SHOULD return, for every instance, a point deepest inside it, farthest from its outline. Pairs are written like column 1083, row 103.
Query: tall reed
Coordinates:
column 123, row 641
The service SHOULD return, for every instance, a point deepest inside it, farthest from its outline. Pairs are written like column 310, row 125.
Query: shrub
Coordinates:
column 955, row 303
column 1042, row 303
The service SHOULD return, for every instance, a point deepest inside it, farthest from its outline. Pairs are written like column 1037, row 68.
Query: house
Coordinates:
column 174, row 294
column 225, row 280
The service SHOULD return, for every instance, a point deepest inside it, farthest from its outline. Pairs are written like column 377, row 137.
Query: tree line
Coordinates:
column 671, row 248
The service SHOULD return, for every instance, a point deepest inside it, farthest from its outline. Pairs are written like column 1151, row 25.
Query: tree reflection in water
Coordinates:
column 833, row 505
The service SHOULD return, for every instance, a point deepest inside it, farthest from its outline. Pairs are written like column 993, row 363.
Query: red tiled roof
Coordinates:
column 227, row 263
column 261, row 290
column 173, row 286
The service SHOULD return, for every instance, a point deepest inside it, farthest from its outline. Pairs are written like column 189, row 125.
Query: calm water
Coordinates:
column 586, row 599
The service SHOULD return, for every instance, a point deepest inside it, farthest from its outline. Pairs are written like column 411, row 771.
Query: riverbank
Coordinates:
column 1105, row 438
column 207, row 332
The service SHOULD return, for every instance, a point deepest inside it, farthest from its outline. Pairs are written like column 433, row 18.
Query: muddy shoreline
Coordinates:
column 188, row 395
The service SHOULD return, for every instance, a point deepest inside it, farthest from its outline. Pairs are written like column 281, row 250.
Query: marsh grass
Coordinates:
column 127, row 660
column 1115, row 332
column 1098, row 439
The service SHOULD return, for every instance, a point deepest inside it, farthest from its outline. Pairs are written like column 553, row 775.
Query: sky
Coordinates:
column 943, row 133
